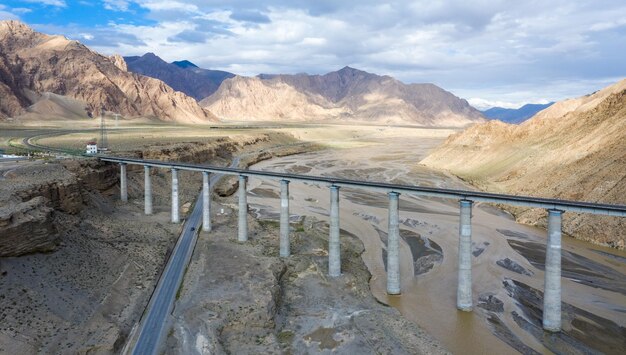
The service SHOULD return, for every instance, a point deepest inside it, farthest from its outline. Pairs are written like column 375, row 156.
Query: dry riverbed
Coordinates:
column 507, row 257
column 242, row 298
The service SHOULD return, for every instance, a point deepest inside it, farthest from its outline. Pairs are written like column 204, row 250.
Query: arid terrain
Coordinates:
column 346, row 95
column 290, row 305
column 104, row 117
column 49, row 75
column 78, row 266
column 507, row 258
column 114, row 287
column 575, row 149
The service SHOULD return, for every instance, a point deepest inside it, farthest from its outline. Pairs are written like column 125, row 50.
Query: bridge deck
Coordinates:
column 477, row 196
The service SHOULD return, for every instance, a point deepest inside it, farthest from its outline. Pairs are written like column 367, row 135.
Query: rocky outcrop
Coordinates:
column 572, row 150
column 199, row 152
column 35, row 194
column 347, row 95
column 26, row 227
column 32, row 64
column 119, row 62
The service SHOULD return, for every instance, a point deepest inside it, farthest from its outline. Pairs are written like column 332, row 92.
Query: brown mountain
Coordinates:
column 575, row 149
column 345, row 95
column 36, row 67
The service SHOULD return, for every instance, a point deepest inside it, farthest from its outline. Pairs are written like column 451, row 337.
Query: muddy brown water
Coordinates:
column 593, row 280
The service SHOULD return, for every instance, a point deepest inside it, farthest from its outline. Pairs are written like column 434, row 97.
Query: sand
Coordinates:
column 428, row 298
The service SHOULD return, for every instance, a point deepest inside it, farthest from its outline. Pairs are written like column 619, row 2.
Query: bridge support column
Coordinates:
column 552, row 280
column 206, row 202
column 175, row 215
column 334, row 244
column 147, row 190
column 393, row 247
column 285, row 250
column 243, row 210
column 464, row 289
column 123, row 188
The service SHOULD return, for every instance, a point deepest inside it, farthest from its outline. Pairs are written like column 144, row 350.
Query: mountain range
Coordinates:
column 53, row 73
column 346, row 95
column 182, row 76
column 515, row 116
column 53, row 77
column 574, row 149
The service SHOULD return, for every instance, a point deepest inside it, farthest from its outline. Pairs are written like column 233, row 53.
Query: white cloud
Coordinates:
column 4, row 15
column 20, row 10
column 166, row 5
column 87, row 36
column 483, row 104
column 7, row 15
column 116, row 5
column 496, row 51
column 57, row 3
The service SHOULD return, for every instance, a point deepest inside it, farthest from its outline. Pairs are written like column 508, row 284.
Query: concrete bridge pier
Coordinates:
column 285, row 249
column 393, row 247
column 175, row 215
column 123, row 185
column 464, row 288
column 334, row 244
column 206, row 202
column 552, row 280
column 147, row 190
column 243, row 210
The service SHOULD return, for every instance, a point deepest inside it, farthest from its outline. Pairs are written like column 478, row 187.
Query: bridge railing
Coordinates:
column 556, row 208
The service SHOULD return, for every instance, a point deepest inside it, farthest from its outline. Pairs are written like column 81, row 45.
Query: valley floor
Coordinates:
column 244, row 298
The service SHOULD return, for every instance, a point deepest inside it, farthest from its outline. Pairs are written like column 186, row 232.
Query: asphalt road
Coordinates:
column 153, row 325
column 27, row 140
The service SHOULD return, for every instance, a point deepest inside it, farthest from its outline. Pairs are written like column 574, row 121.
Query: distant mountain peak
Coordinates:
column 347, row 70
column 345, row 95
column 183, row 76
column 184, row 64
column 515, row 116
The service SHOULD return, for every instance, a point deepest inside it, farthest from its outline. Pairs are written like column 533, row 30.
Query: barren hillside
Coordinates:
column 347, row 95
column 575, row 149
column 34, row 65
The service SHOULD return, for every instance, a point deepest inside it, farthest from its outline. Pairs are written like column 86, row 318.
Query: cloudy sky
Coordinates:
column 497, row 52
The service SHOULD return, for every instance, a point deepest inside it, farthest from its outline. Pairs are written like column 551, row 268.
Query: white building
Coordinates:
column 92, row 148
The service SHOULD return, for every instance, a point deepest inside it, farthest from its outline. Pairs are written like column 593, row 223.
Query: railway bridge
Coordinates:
column 464, row 300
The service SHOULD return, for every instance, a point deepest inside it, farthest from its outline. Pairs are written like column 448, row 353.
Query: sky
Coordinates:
column 492, row 53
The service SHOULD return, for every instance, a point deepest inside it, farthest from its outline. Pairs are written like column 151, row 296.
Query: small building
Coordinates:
column 92, row 148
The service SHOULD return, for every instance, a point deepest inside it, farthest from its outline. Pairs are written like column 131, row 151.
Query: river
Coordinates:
column 507, row 262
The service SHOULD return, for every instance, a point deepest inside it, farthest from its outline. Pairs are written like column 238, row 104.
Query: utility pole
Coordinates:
column 103, row 145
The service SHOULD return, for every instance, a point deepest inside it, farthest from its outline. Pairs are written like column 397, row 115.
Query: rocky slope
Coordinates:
column 102, row 257
column 574, row 149
column 79, row 286
column 182, row 76
column 33, row 64
column 345, row 95
column 30, row 198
